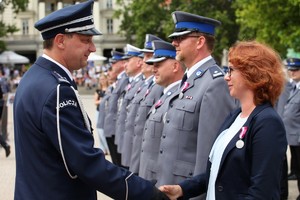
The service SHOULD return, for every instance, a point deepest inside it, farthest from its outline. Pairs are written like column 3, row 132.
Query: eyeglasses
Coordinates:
column 228, row 70
column 179, row 39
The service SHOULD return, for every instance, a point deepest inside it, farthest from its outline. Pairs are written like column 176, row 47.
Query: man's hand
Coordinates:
column 172, row 191
column 158, row 195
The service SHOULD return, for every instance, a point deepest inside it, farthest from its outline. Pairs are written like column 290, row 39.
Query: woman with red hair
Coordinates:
column 246, row 159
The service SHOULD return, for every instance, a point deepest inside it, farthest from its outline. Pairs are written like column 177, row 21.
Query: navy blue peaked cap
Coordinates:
column 148, row 43
column 162, row 51
column 76, row 18
column 293, row 63
column 186, row 23
column 116, row 56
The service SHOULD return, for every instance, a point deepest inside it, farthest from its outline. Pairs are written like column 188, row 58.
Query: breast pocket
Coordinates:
column 184, row 115
column 156, row 124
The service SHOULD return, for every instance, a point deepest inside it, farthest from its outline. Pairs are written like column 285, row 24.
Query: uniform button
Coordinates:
column 164, row 136
column 161, row 151
column 143, row 140
column 220, row 188
column 191, row 173
column 171, row 105
column 167, row 120
column 142, row 150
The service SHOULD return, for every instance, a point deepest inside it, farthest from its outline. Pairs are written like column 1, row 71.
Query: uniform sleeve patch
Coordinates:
column 67, row 103
column 216, row 72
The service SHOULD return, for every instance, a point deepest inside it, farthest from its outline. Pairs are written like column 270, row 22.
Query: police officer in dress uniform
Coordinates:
column 55, row 154
column 196, row 113
column 149, row 97
column 168, row 73
column 112, row 105
column 133, row 66
column 291, row 117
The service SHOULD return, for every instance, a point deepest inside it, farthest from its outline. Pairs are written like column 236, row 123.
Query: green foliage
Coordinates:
column 18, row 5
column 275, row 22
column 153, row 16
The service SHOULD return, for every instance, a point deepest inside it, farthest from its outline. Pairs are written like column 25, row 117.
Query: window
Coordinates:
column 109, row 4
column 110, row 26
column 25, row 27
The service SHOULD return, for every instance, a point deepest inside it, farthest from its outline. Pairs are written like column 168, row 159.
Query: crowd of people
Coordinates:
column 175, row 123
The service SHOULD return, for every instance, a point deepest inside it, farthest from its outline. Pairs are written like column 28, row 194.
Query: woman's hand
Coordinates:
column 172, row 191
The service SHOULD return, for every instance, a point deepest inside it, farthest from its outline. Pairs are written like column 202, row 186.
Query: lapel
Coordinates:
column 47, row 64
column 231, row 119
column 292, row 94
column 163, row 98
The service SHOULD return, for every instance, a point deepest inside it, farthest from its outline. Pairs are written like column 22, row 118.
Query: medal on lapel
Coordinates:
column 184, row 88
column 158, row 103
column 240, row 143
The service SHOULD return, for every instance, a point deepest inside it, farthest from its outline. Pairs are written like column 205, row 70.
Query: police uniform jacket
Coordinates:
column 291, row 118
column 147, row 102
column 192, row 124
column 40, row 170
column 129, row 122
column 250, row 172
column 152, row 135
column 103, row 106
column 122, row 114
column 112, row 110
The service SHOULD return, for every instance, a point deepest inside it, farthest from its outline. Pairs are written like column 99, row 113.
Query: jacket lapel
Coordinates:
column 232, row 143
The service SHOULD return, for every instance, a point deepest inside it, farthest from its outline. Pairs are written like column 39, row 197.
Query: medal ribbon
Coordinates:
column 185, row 86
column 243, row 132
column 158, row 103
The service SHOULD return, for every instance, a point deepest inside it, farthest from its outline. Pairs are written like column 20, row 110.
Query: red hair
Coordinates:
column 262, row 69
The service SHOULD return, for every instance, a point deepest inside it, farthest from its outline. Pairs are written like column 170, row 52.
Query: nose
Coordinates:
column 92, row 47
column 226, row 77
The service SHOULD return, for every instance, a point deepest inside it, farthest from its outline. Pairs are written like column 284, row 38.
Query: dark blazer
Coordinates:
column 40, row 170
column 252, row 172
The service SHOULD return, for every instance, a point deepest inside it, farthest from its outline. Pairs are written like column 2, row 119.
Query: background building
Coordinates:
column 28, row 41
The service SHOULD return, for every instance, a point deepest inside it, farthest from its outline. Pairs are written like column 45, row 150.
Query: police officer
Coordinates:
column 196, row 113
column 55, row 157
column 112, row 105
column 291, row 117
column 133, row 68
column 134, row 105
column 168, row 73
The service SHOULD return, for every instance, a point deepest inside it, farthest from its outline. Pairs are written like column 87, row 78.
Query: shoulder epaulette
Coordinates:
column 215, row 72
column 60, row 78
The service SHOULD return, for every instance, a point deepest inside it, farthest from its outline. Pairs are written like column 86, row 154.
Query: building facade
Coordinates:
column 28, row 41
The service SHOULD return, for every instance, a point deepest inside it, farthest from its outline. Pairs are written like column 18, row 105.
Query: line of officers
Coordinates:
column 162, row 114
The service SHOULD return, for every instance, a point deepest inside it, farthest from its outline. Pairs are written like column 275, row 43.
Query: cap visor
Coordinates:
column 176, row 34
column 92, row 31
column 293, row 68
column 155, row 60
column 147, row 50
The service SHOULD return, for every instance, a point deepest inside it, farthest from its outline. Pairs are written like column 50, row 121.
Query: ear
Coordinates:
column 140, row 62
column 200, row 42
column 175, row 66
column 59, row 41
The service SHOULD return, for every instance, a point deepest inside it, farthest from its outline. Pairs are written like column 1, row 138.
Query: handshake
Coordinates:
column 167, row 192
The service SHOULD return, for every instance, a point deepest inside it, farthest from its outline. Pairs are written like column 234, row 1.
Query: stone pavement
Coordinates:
column 7, row 165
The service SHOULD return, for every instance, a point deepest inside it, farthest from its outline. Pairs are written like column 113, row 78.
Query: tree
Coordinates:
column 154, row 16
column 274, row 22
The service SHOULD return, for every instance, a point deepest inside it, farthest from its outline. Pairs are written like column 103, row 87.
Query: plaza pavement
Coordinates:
column 7, row 165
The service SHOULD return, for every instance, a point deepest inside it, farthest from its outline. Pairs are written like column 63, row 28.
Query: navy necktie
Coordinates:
column 183, row 79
